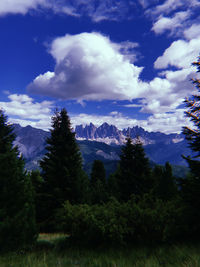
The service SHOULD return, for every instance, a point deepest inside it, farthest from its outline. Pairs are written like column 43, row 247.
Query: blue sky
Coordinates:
column 123, row 62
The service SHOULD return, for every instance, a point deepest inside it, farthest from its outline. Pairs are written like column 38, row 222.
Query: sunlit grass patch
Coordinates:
column 51, row 236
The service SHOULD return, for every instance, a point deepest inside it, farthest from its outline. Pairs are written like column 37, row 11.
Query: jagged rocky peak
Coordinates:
column 90, row 131
column 110, row 134
column 134, row 132
column 79, row 128
column 87, row 132
column 106, row 130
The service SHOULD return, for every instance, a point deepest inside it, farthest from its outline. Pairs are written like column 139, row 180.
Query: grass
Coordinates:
column 50, row 253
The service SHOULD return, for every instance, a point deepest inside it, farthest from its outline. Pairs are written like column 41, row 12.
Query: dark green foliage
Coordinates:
column 134, row 170
column 191, row 186
column 165, row 186
column 113, row 185
column 62, row 166
column 40, row 198
column 193, row 112
column 140, row 220
column 179, row 171
column 62, row 163
column 193, row 135
column 98, row 172
column 93, row 224
column 190, row 190
column 98, row 182
column 17, row 214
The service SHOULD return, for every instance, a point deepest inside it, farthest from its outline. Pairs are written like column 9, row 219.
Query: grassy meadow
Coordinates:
column 51, row 251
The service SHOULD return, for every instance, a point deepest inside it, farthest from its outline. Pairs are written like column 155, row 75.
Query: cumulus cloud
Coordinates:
column 89, row 67
column 180, row 54
column 24, row 110
column 175, row 84
column 167, row 122
column 167, row 92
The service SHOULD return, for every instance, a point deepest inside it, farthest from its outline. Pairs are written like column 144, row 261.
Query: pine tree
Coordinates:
column 134, row 170
column 62, row 165
column 193, row 112
column 17, row 214
column 165, row 187
column 193, row 134
column 98, row 182
column 191, row 185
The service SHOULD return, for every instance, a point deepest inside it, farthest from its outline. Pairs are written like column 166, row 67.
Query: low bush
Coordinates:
column 142, row 219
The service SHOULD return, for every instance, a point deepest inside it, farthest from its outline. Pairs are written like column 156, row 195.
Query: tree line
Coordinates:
column 137, row 203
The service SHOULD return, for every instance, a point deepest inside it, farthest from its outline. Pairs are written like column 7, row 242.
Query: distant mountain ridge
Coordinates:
column 110, row 134
column 30, row 141
column 94, row 143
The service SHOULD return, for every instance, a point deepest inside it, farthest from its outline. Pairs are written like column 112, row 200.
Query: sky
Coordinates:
column 124, row 62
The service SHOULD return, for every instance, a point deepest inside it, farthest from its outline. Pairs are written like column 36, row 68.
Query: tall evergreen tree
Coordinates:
column 191, row 185
column 98, row 182
column 62, row 165
column 17, row 214
column 134, row 170
column 193, row 113
column 165, row 186
column 193, row 134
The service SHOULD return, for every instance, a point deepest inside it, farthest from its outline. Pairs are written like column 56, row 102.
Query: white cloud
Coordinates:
column 24, row 110
column 127, row 49
column 145, row 3
column 174, row 16
column 59, row 7
column 162, row 97
column 170, row 6
column 167, row 122
column 104, row 10
column 19, row 6
column 174, row 85
column 180, row 54
column 192, row 32
column 89, row 67
column 96, row 10
column 132, row 105
column 170, row 23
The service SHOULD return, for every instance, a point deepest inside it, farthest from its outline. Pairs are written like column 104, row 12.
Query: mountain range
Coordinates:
column 104, row 143
column 111, row 135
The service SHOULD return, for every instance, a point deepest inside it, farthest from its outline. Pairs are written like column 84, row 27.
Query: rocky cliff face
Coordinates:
column 109, row 134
